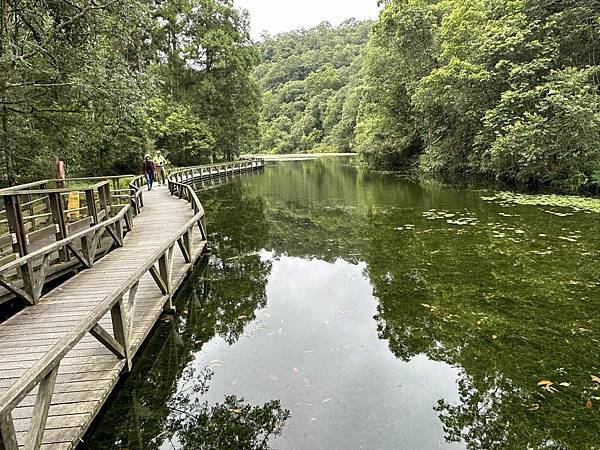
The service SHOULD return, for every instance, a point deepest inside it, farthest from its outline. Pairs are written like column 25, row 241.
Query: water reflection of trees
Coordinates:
column 506, row 316
column 158, row 401
column 509, row 312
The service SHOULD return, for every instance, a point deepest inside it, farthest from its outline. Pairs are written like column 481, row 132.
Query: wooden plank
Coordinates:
column 63, row 421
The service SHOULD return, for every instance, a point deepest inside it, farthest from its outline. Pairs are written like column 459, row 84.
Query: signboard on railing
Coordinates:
column 74, row 205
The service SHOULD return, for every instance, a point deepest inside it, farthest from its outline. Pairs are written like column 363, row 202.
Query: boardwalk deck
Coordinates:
column 85, row 374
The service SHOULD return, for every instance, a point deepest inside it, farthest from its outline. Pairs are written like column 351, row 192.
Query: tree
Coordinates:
column 305, row 76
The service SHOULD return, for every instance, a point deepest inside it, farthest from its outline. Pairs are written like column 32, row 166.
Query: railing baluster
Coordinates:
column 33, row 441
column 8, row 436
column 121, row 328
column 58, row 217
column 91, row 205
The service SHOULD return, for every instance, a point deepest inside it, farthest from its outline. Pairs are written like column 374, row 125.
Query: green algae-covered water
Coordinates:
column 343, row 309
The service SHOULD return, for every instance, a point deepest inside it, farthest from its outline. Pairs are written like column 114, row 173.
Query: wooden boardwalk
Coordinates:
column 61, row 358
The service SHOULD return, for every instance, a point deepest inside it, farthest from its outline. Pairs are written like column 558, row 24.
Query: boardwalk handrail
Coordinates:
column 30, row 279
column 43, row 372
column 118, row 300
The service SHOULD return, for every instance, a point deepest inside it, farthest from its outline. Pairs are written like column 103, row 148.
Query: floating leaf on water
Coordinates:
column 567, row 239
column 237, row 411
column 534, row 407
column 326, row 400
column 545, row 383
column 564, row 383
column 589, row 404
column 425, row 305
column 595, row 378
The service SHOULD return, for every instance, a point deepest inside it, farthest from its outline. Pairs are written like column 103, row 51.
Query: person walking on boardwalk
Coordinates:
column 160, row 162
column 148, row 169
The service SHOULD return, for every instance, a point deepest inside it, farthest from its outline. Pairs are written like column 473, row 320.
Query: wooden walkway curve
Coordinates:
column 61, row 357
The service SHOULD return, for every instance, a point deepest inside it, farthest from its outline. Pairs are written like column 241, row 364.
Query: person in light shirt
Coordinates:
column 160, row 162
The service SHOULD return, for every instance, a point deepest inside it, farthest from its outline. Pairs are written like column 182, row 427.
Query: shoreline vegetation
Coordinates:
column 499, row 91
column 495, row 192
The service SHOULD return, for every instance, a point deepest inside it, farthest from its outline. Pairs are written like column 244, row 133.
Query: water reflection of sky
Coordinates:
column 315, row 347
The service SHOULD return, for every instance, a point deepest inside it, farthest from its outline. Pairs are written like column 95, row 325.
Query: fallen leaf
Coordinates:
column 596, row 379
column 534, row 407
column 565, row 384
column 589, row 404
column 425, row 305
column 545, row 383
column 494, row 336
column 237, row 411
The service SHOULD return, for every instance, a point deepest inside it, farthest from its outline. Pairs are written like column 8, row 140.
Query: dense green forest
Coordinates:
column 309, row 80
column 497, row 89
column 101, row 83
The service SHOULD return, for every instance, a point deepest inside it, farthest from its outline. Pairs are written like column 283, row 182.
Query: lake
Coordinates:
column 342, row 308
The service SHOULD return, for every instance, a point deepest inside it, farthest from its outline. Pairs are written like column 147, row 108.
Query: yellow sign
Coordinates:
column 74, row 205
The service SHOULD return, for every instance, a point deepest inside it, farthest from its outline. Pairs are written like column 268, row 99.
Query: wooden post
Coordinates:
column 121, row 329
column 90, row 199
column 104, row 196
column 33, row 441
column 16, row 225
column 165, row 268
column 8, row 436
column 202, row 226
column 58, row 217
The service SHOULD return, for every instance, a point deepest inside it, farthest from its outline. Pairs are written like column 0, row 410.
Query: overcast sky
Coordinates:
column 276, row 16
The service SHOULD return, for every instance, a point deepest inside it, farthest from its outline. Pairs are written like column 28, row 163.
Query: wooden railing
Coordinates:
column 190, row 176
column 43, row 238
column 120, row 303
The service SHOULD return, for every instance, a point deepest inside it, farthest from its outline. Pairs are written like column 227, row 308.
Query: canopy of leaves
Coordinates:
column 99, row 84
column 504, row 89
column 309, row 80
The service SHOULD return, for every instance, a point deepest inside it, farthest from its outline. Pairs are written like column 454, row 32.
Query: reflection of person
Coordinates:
column 148, row 169
column 160, row 162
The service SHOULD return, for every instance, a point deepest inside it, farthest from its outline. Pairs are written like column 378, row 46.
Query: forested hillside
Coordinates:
column 100, row 83
column 499, row 89
column 309, row 80
column 506, row 89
